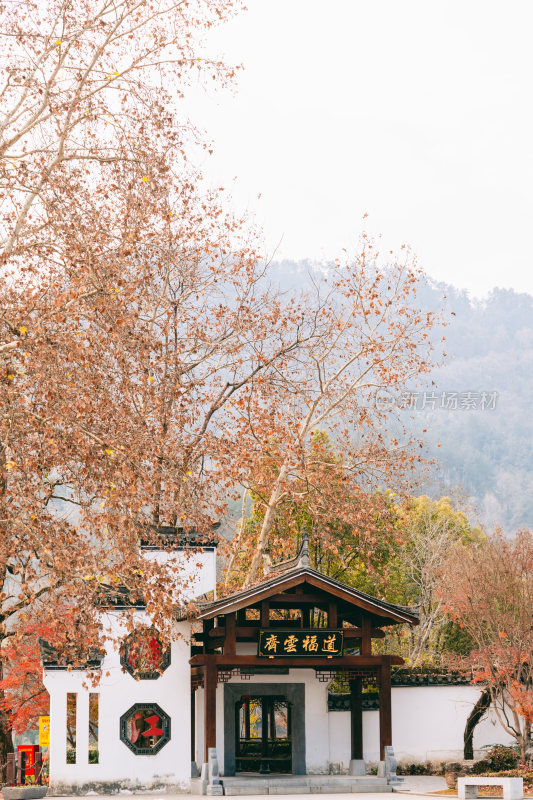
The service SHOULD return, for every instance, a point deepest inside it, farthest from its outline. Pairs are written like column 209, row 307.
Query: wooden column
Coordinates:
column 265, row 764
column 210, row 704
column 230, row 641
column 385, row 716
column 11, row 776
column 21, row 767
column 208, row 626
column 366, row 636
column 265, row 614
column 356, row 717
column 38, row 767
column 332, row 615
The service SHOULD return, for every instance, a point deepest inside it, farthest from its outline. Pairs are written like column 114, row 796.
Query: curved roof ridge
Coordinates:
column 248, row 596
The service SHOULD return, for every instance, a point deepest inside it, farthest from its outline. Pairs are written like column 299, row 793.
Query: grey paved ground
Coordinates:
column 351, row 796
column 423, row 783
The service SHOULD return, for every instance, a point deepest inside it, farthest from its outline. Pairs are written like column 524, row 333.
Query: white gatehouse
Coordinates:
column 142, row 728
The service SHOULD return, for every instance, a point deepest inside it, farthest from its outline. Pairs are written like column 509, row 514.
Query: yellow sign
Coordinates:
column 44, row 731
column 316, row 642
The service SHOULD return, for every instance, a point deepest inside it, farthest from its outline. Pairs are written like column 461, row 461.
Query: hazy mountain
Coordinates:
column 487, row 439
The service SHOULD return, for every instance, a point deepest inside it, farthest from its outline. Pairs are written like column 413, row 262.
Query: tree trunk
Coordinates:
column 268, row 521
column 6, row 738
column 528, row 754
column 236, row 544
column 475, row 716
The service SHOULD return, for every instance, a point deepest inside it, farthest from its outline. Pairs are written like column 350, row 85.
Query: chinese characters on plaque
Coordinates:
column 274, row 643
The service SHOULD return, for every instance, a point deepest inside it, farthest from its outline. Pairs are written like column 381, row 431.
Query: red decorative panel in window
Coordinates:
column 143, row 655
column 145, row 729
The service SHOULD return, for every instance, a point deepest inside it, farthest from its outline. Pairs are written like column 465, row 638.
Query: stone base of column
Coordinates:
column 357, row 767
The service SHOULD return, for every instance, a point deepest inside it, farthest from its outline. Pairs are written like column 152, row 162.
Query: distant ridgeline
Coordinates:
column 485, row 455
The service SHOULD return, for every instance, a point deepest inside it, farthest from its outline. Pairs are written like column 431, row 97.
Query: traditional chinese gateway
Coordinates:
column 239, row 702
column 262, row 662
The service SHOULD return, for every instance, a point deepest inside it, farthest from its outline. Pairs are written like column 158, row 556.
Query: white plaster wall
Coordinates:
column 118, row 691
column 427, row 725
column 195, row 570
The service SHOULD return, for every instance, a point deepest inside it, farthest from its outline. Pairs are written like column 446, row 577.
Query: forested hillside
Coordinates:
column 485, row 453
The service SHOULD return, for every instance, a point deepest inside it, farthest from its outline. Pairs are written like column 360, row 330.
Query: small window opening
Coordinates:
column 71, row 727
column 318, row 618
column 93, row 727
column 286, row 617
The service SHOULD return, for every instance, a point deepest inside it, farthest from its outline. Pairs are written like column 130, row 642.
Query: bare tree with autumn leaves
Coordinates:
column 93, row 170
column 146, row 363
column 348, row 524
column 487, row 588
column 122, row 409
column 88, row 102
column 370, row 335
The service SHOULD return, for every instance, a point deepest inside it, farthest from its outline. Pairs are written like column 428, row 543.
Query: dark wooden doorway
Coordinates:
column 263, row 734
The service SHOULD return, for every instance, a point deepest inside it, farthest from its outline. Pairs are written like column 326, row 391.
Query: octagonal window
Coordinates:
column 145, row 729
column 143, row 655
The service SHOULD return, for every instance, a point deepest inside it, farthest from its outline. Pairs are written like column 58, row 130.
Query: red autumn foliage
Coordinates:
column 22, row 693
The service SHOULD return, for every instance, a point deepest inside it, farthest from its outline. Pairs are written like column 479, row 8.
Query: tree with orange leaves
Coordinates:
column 488, row 588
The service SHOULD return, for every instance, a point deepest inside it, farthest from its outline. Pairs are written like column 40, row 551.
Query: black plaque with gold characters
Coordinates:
column 276, row 643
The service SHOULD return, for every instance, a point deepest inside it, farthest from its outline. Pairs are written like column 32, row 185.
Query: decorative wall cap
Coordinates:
column 167, row 537
column 341, row 701
column 51, row 660
column 407, row 678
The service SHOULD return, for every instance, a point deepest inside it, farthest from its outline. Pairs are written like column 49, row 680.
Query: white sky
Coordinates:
column 417, row 112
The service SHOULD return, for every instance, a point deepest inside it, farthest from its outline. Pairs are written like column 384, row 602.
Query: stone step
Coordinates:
column 304, row 784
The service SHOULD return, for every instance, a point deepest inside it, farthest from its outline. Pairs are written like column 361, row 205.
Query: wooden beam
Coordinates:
column 335, row 662
column 357, row 633
column 356, row 718
column 385, row 713
column 258, row 596
column 210, row 703
column 251, row 633
column 294, row 600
